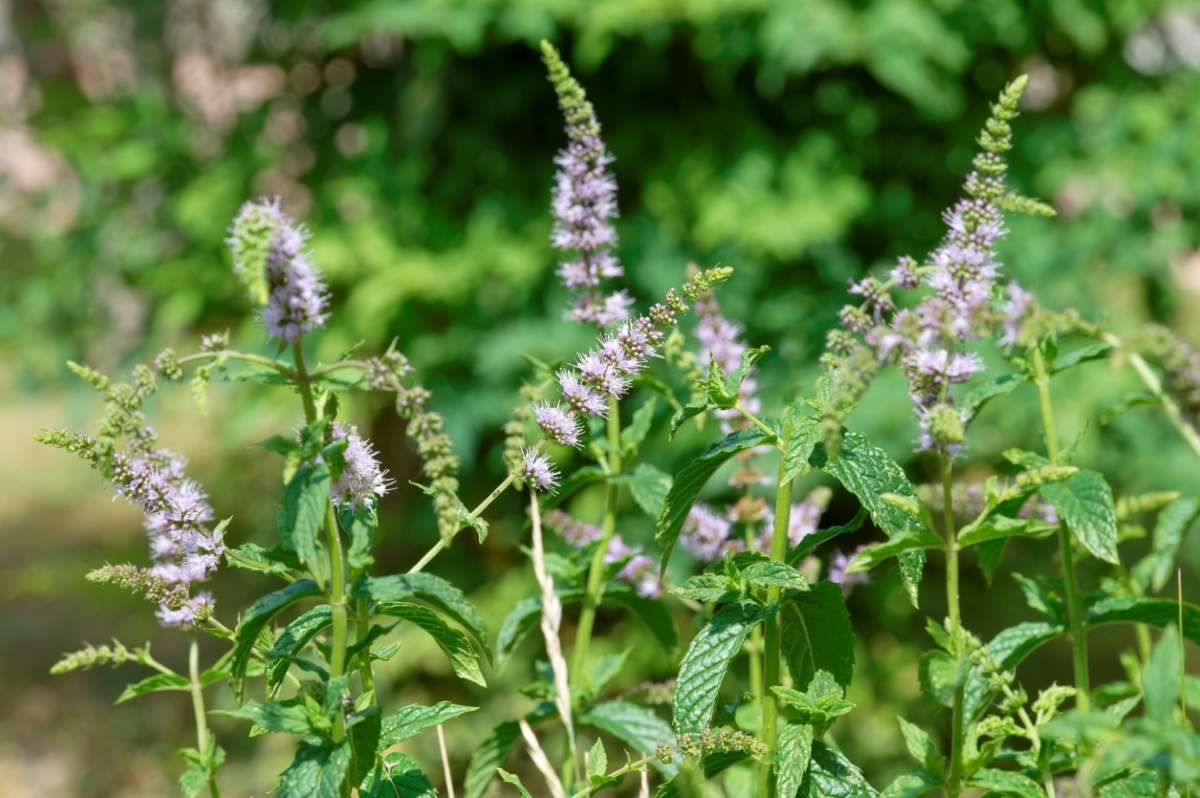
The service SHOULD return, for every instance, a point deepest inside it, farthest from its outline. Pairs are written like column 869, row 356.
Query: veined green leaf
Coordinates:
column 295, row 637
column 452, row 641
column 1042, row 599
column 830, row 775
column 515, row 781
column 399, row 776
column 410, row 720
column 1006, row 782
column 317, row 771
column 816, row 634
column 639, row 426
column 997, row 527
column 791, row 758
column 1085, row 504
column 1091, row 351
column 868, row 472
column 305, row 500
column 431, row 589
column 152, row 684
column 707, row 658
column 597, row 763
column 710, row 589
column 253, row 557
column 255, row 618
column 522, row 619
column 809, row 542
column 1142, row 609
column 359, row 524
column 1173, row 522
column 1160, row 677
column 294, row 716
column 490, row 754
column 801, row 434
column 774, row 574
column 604, row 671
column 986, row 390
column 904, row 541
column 820, row 705
column 647, row 485
column 636, row 726
column 692, row 479
column 913, row 784
column 921, row 747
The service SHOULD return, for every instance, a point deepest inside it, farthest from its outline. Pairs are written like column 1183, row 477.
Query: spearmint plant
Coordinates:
column 762, row 581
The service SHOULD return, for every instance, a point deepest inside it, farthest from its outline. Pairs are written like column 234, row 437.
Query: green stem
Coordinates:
column 954, row 779
column 754, row 647
column 364, row 663
column 483, row 505
column 771, row 654
column 246, row 356
column 1074, row 609
column 756, row 421
column 304, row 383
column 337, row 600
column 595, row 582
column 202, row 744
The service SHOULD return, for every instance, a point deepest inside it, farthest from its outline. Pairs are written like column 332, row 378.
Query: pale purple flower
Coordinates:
column 176, row 512
column 574, row 531
column 607, row 370
column 537, row 472
column 705, row 534
column 803, row 519
column 1013, row 310
column 583, row 201
column 639, row 569
column 559, row 424
column 362, row 479
column 641, row 573
column 905, row 273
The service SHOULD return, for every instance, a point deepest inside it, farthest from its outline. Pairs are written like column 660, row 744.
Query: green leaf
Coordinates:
column 868, row 472
column 830, row 775
column 710, row 589
column 431, row 589
column 791, row 758
column 363, row 729
column 1042, row 599
column 605, row 671
column 905, row 541
column 317, row 771
column 816, row 634
column 1173, row 522
column 597, row 764
column 1009, row 648
column 692, row 479
column 636, row 726
column 939, row 675
column 515, row 781
column 294, row 716
column 984, row 391
column 256, row 558
column 490, row 754
column 645, row 380
column 400, row 776
column 703, row 667
column 253, row 621
column 295, row 637
column 810, row 542
column 1160, row 676
column 452, row 641
column 522, row 620
column 1085, row 504
column 991, row 554
column 152, row 684
column 639, row 427
column 913, row 784
column 1000, row 527
column 657, row 619
column 1141, row 609
column 820, row 704
column 801, row 434
column 1006, row 782
column 921, row 747
column 690, row 410
column 410, row 720
column 305, row 500
column 1093, row 351
column 774, row 574
column 733, row 383
column 359, row 524
column 1129, row 784
column 647, row 485
column 261, row 374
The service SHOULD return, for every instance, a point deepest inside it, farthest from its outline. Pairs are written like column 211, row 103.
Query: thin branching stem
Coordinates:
column 954, row 779
column 197, row 691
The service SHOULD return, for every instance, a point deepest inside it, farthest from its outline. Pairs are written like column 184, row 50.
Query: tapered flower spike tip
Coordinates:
column 572, row 99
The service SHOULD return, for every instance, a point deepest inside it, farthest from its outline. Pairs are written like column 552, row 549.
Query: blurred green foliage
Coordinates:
column 802, row 142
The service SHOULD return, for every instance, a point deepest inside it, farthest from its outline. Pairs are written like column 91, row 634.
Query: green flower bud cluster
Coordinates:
column 572, row 101
column 712, row 741
column 1129, row 506
column 130, row 577
column 1178, row 360
column 114, row 655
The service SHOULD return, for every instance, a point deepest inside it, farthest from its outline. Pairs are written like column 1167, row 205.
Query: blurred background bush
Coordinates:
column 802, row 142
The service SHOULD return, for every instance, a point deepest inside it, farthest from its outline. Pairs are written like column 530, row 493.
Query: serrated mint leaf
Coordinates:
column 830, row 775
column 791, row 758
column 905, row 541
column 639, row 426
column 982, row 392
column 1085, row 504
column 152, row 684
column 399, row 776
column 359, row 523
column 298, row 634
column 1173, row 522
column 647, row 485
column 921, row 747
column 636, row 726
column 450, row 640
column 817, row 634
column 1006, row 782
column 913, row 784
column 432, row 590
column 774, row 574
column 305, row 500
column 868, row 472
column 410, row 720
column 692, row 479
column 317, row 771
column 1142, row 609
column 253, row 621
column 706, row 661
column 998, row 527
column 801, row 433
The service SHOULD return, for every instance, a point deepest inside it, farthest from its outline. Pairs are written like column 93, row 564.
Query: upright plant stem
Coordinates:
column 364, row 664
column 771, row 652
column 196, row 689
column 337, row 576
column 1074, row 610
column 756, row 642
column 954, row 778
column 595, row 582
